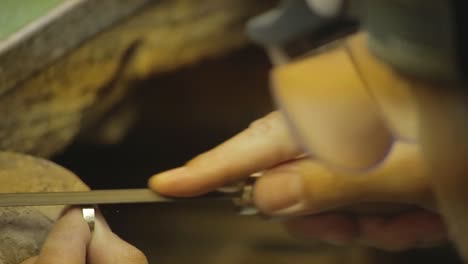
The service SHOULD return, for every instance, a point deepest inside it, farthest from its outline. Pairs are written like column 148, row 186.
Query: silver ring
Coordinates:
column 89, row 215
column 244, row 200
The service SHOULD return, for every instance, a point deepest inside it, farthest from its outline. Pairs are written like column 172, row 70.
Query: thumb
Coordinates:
column 107, row 248
column 68, row 240
column 307, row 187
column 331, row 111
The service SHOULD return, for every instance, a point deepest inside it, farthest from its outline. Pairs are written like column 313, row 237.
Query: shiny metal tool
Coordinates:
column 241, row 197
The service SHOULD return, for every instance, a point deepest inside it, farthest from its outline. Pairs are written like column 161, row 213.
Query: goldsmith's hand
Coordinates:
column 71, row 242
column 295, row 186
column 324, row 201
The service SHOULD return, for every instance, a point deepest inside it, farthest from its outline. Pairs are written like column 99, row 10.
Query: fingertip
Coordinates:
column 154, row 183
column 175, row 182
column 72, row 221
column 167, row 178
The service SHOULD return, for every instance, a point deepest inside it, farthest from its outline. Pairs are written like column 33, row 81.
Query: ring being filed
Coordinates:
column 89, row 215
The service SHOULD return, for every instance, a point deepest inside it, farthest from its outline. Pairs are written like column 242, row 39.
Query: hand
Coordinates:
column 70, row 241
column 298, row 186
column 324, row 202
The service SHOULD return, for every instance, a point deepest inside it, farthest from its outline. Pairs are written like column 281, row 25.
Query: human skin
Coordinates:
column 432, row 113
column 72, row 240
column 310, row 196
column 319, row 185
column 54, row 233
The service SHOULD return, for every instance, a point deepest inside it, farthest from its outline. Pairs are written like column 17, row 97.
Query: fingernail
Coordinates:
column 166, row 178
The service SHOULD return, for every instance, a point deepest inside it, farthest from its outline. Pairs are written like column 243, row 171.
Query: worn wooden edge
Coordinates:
column 52, row 36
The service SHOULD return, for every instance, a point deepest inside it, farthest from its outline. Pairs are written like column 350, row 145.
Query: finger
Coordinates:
column 336, row 229
column 392, row 92
column 305, row 186
column 68, row 240
column 443, row 133
column 106, row 247
column 417, row 229
column 265, row 143
column 331, row 111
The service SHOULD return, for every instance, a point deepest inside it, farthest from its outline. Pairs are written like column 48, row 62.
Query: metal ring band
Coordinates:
column 245, row 198
column 89, row 215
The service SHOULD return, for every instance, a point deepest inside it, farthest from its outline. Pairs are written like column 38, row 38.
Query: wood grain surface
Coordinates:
column 45, row 113
column 23, row 229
